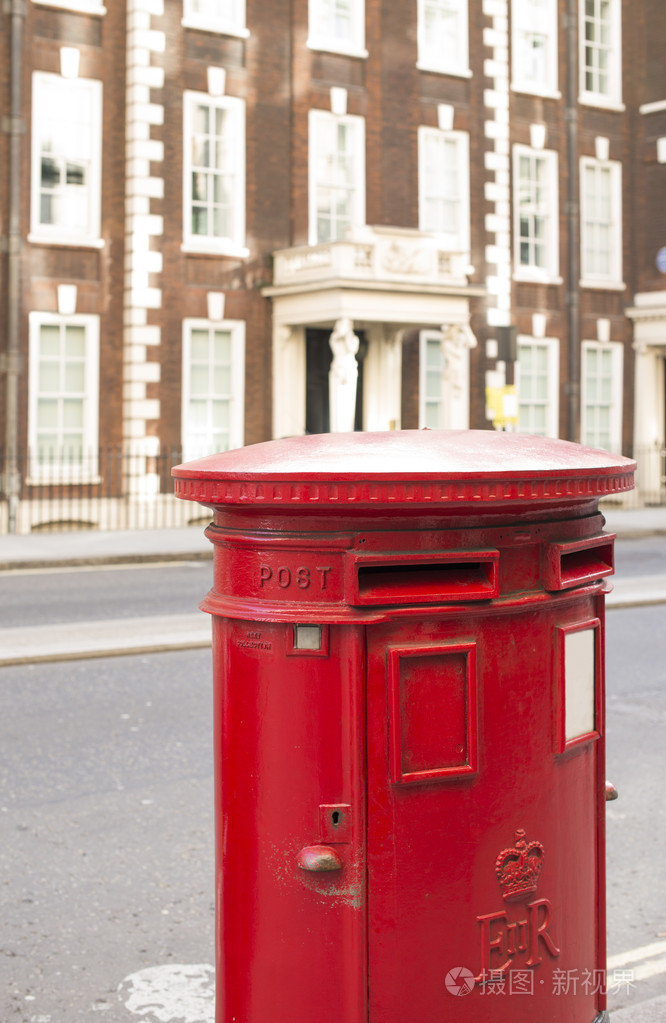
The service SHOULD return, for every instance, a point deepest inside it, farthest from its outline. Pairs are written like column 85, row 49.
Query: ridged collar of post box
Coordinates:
column 407, row 469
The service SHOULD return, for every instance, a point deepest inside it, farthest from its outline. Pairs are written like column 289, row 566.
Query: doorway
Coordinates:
column 318, row 358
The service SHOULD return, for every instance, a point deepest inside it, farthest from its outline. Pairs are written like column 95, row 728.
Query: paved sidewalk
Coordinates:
column 636, row 591
column 652, row 1011
column 89, row 547
column 188, row 631
column 104, row 547
column 635, row 522
column 107, row 638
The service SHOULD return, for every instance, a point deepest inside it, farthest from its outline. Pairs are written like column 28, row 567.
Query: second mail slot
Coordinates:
column 579, row 562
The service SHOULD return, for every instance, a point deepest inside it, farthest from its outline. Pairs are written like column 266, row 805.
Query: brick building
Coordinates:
column 230, row 220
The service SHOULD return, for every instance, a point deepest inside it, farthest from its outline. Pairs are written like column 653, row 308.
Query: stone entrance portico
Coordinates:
column 649, row 318
column 384, row 282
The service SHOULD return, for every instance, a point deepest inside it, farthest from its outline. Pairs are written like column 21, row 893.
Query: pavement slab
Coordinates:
column 106, row 638
column 151, row 634
column 634, row 591
column 89, row 547
column 652, row 1011
column 192, row 630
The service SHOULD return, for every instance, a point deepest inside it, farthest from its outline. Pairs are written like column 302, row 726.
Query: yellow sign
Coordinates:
column 502, row 405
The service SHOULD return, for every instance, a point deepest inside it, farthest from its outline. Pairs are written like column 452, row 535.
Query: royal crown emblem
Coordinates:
column 518, row 869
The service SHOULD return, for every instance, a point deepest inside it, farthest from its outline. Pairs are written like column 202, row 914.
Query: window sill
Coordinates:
column 533, row 90
column 68, row 243
column 191, row 248
column 652, row 108
column 590, row 282
column 98, row 10
column 57, row 479
column 451, row 72
column 524, row 277
column 601, row 103
column 221, row 29
column 328, row 46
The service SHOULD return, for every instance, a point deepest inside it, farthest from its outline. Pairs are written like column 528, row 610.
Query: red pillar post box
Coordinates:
column 408, row 636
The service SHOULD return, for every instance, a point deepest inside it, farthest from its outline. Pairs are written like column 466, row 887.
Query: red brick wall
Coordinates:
column 98, row 273
column 280, row 80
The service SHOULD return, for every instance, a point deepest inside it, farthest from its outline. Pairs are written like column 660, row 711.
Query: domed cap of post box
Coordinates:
column 404, row 469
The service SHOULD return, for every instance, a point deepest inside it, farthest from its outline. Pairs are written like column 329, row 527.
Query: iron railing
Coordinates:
column 108, row 488
column 111, row 488
column 650, row 477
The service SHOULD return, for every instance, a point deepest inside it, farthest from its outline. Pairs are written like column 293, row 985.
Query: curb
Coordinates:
column 39, row 564
column 105, row 638
column 652, row 1011
column 199, row 550
column 636, row 591
column 190, row 631
column 638, row 534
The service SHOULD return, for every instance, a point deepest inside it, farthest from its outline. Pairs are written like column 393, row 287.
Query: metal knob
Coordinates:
column 611, row 791
column 319, row 858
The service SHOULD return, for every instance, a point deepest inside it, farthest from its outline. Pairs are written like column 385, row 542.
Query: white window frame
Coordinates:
column 459, row 240
column 60, row 473
column 316, row 122
column 552, row 403
column 61, row 234
column 549, row 209
column 236, row 329
column 453, row 401
column 426, row 336
column 590, row 276
column 523, row 27
column 233, row 245
column 432, row 58
column 321, row 28
column 612, row 97
column 233, row 25
column 614, row 404
column 82, row 6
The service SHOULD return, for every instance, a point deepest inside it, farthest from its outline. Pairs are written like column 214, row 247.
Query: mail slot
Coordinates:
column 408, row 666
column 423, row 578
column 578, row 562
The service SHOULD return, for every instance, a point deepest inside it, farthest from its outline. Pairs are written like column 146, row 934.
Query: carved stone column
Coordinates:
column 649, row 405
column 457, row 340
column 288, row 380
column 382, row 378
column 343, row 377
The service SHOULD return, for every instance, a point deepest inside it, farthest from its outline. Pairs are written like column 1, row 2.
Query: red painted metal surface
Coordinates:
column 408, row 663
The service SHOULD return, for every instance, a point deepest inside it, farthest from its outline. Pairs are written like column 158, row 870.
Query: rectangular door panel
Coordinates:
column 483, row 850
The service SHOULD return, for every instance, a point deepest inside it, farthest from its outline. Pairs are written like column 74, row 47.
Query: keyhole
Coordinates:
column 335, row 818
